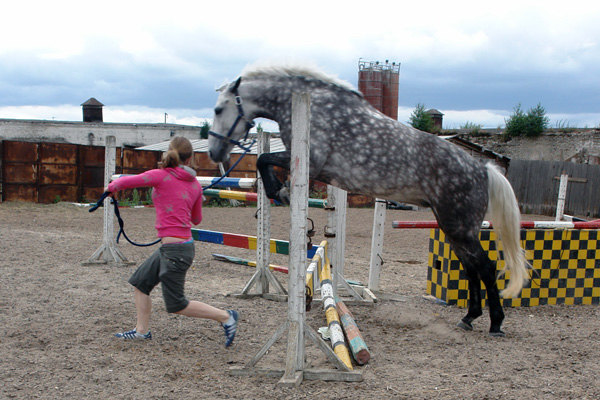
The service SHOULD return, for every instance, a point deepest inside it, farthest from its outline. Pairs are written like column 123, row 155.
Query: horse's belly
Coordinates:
column 408, row 195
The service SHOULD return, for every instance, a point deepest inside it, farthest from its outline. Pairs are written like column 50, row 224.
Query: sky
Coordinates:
column 151, row 62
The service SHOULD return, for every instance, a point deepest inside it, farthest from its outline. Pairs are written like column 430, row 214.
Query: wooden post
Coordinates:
column 337, row 200
column 108, row 251
column 263, row 230
column 336, row 222
column 294, row 365
column 263, row 278
column 377, row 244
column 562, row 196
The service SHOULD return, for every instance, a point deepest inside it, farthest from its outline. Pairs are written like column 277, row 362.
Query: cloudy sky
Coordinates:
column 472, row 60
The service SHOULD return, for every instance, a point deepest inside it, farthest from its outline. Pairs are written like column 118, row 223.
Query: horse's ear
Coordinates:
column 236, row 84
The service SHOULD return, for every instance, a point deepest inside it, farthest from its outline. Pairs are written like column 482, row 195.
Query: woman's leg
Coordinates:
column 197, row 309
column 143, row 306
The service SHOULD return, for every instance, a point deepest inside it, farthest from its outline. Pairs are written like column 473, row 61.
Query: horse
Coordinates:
column 357, row 148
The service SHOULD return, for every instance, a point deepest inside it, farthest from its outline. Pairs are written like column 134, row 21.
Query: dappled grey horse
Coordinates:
column 357, row 148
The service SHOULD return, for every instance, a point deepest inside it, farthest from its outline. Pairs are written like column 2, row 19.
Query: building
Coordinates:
column 92, row 130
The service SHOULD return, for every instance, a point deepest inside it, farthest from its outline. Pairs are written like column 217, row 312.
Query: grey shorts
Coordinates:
column 167, row 265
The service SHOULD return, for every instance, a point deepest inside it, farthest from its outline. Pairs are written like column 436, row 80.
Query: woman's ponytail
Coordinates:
column 180, row 150
column 171, row 159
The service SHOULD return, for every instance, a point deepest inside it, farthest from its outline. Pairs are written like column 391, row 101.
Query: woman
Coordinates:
column 177, row 198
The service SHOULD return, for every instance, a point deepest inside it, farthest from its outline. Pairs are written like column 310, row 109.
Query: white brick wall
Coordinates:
column 93, row 133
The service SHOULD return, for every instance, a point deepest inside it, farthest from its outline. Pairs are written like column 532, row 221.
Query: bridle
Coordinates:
column 240, row 117
column 227, row 139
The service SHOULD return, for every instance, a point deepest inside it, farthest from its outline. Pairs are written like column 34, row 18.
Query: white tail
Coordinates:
column 506, row 217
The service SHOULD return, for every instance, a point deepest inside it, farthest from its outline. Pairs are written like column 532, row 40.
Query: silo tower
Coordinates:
column 378, row 82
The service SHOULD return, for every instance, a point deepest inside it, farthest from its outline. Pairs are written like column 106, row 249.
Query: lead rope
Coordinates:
column 120, row 220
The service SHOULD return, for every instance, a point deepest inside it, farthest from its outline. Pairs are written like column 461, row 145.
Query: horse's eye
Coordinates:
column 218, row 110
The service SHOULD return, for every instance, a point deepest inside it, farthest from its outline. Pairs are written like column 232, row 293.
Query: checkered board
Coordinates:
column 565, row 268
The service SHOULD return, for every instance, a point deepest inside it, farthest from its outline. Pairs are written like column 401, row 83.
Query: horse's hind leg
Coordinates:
column 474, row 299
column 488, row 276
column 480, row 268
column 273, row 186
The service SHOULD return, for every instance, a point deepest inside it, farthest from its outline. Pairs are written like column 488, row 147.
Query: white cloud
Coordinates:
column 462, row 54
column 59, row 113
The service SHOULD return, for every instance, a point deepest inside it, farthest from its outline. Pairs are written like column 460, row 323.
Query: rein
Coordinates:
column 120, row 220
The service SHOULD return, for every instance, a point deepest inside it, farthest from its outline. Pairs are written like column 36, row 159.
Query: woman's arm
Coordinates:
column 197, row 209
column 148, row 178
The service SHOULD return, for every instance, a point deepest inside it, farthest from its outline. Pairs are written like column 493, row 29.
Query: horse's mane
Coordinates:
column 292, row 70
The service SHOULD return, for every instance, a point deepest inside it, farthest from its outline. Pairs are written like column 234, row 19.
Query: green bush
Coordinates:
column 420, row 120
column 530, row 124
column 473, row 128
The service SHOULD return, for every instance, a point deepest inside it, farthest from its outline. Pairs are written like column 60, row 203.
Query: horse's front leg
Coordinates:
column 274, row 188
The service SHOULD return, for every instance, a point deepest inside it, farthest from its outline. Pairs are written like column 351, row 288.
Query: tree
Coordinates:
column 420, row 120
column 204, row 128
column 532, row 124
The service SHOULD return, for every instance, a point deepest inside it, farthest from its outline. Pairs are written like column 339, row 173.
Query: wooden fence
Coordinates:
column 536, row 185
column 44, row 172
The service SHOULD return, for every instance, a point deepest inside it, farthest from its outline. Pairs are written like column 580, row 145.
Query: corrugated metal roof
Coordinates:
column 201, row 146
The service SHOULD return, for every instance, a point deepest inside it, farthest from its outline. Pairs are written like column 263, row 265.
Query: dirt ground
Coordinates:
column 57, row 318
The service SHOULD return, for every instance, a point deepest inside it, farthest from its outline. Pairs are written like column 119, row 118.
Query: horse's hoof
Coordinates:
column 465, row 326
column 497, row 334
column 284, row 195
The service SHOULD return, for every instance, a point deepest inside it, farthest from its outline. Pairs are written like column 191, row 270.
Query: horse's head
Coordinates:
column 232, row 121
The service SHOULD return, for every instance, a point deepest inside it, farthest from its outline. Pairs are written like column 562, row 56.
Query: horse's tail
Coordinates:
column 506, row 217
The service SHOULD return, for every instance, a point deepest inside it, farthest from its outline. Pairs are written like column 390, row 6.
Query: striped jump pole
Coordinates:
column 253, row 197
column 243, row 261
column 240, row 183
column 232, row 194
column 244, row 241
column 313, row 275
column 333, row 320
column 487, row 225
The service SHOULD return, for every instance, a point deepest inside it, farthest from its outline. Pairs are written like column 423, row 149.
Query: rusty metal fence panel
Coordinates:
column 44, row 172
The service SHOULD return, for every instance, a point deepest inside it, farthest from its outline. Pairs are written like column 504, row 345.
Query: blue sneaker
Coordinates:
column 133, row 335
column 231, row 329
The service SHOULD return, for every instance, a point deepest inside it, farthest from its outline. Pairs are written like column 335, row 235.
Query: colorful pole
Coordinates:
column 487, row 224
column 243, row 261
column 359, row 348
column 244, row 241
column 252, row 197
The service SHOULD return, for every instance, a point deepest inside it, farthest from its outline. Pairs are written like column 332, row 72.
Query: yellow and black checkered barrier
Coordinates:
column 565, row 268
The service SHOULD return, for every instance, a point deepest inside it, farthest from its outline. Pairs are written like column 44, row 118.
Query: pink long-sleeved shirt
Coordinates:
column 177, row 198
